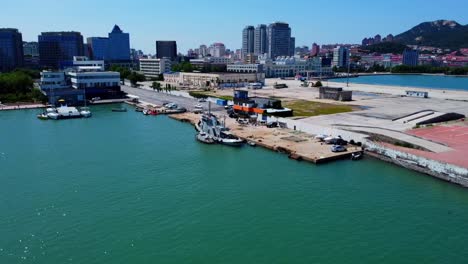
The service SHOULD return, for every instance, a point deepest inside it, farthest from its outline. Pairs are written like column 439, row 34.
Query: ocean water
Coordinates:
column 422, row 81
column 128, row 188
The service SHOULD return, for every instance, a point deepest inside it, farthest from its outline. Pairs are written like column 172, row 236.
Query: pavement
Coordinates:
column 161, row 98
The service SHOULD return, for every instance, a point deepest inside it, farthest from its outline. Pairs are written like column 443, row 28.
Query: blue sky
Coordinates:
column 206, row 21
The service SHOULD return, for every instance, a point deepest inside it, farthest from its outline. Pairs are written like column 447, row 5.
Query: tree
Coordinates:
column 135, row 77
column 318, row 84
column 156, row 86
column 124, row 72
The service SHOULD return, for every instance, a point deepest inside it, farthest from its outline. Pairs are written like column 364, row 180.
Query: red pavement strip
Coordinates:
column 455, row 137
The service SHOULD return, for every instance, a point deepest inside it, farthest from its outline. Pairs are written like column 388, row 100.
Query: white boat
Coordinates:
column 85, row 112
column 205, row 138
column 53, row 115
column 66, row 112
column 321, row 137
column 229, row 139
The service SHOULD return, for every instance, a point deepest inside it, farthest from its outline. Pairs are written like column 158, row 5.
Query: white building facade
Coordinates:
column 152, row 68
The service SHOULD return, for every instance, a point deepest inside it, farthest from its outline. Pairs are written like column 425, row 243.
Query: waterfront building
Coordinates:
column 11, row 49
column 248, row 36
column 152, row 68
column 315, row 50
column 279, row 39
column 57, row 49
column 217, row 50
column 260, row 40
column 166, row 49
column 340, row 57
column 98, row 48
column 214, row 80
column 84, row 78
column 410, row 57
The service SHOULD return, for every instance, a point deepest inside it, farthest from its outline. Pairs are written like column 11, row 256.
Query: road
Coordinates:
column 161, row 98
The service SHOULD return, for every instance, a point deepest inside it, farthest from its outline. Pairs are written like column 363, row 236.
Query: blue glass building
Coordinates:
column 119, row 45
column 98, row 47
column 11, row 49
column 57, row 49
column 411, row 57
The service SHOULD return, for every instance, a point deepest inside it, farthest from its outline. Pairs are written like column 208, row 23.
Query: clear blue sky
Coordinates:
column 206, row 21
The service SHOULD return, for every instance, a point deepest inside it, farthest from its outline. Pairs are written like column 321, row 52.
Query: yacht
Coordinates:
column 210, row 125
column 205, row 138
column 85, row 112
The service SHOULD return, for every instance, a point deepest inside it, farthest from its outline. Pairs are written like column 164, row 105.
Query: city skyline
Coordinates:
column 225, row 22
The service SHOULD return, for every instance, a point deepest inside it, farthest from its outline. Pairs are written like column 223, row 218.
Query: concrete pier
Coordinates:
column 297, row 145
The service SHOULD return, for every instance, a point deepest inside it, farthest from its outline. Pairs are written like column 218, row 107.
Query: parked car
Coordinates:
column 202, row 100
column 272, row 124
column 338, row 148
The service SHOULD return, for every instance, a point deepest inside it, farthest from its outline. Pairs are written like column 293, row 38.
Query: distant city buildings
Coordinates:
column 410, row 57
column 376, row 40
column 217, row 50
column 11, row 49
column 340, row 57
column 315, row 50
column 57, row 49
column 166, row 49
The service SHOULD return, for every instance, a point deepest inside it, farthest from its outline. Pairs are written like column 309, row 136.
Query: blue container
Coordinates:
column 221, row 102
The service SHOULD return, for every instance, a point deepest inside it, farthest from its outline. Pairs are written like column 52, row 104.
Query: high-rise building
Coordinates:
column 57, row 49
column 166, row 49
column 98, row 48
column 292, row 46
column 11, row 49
column 389, row 38
column 217, row 50
column 340, row 57
column 119, row 45
column 279, row 39
column 248, row 42
column 31, row 49
column 315, row 50
column 410, row 57
column 260, row 40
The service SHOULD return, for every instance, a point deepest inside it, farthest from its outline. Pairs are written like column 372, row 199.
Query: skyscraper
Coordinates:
column 292, row 46
column 248, row 35
column 203, row 51
column 166, row 49
column 119, row 45
column 56, row 49
column 260, row 40
column 315, row 49
column 410, row 57
column 279, row 39
column 340, row 57
column 98, row 48
column 11, row 49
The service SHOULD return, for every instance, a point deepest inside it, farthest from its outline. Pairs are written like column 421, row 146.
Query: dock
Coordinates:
column 297, row 145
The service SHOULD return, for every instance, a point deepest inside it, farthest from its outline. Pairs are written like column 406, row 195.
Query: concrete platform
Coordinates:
column 305, row 148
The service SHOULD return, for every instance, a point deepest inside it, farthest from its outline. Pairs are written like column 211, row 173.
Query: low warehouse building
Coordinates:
column 336, row 94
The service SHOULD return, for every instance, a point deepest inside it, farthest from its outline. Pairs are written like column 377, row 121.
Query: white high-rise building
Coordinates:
column 217, row 50
column 152, row 68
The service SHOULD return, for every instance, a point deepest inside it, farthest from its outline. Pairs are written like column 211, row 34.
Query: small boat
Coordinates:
column 53, row 115
column 43, row 116
column 139, row 109
column 85, row 112
column 205, row 138
column 321, row 137
column 357, row 155
column 122, row 109
column 252, row 143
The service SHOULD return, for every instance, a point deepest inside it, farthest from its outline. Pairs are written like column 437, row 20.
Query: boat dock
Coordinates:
column 297, row 145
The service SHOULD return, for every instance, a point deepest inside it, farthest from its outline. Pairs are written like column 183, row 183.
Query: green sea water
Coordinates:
column 128, row 188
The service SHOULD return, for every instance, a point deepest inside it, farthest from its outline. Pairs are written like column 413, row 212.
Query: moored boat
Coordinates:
column 43, row 116
column 85, row 112
column 357, row 155
column 205, row 138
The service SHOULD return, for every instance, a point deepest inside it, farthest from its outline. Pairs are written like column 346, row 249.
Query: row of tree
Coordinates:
column 188, row 67
column 133, row 76
column 158, row 87
column 18, row 86
column 430, row 69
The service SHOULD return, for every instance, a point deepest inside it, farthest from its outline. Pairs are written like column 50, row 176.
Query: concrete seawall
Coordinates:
column 440, row 170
